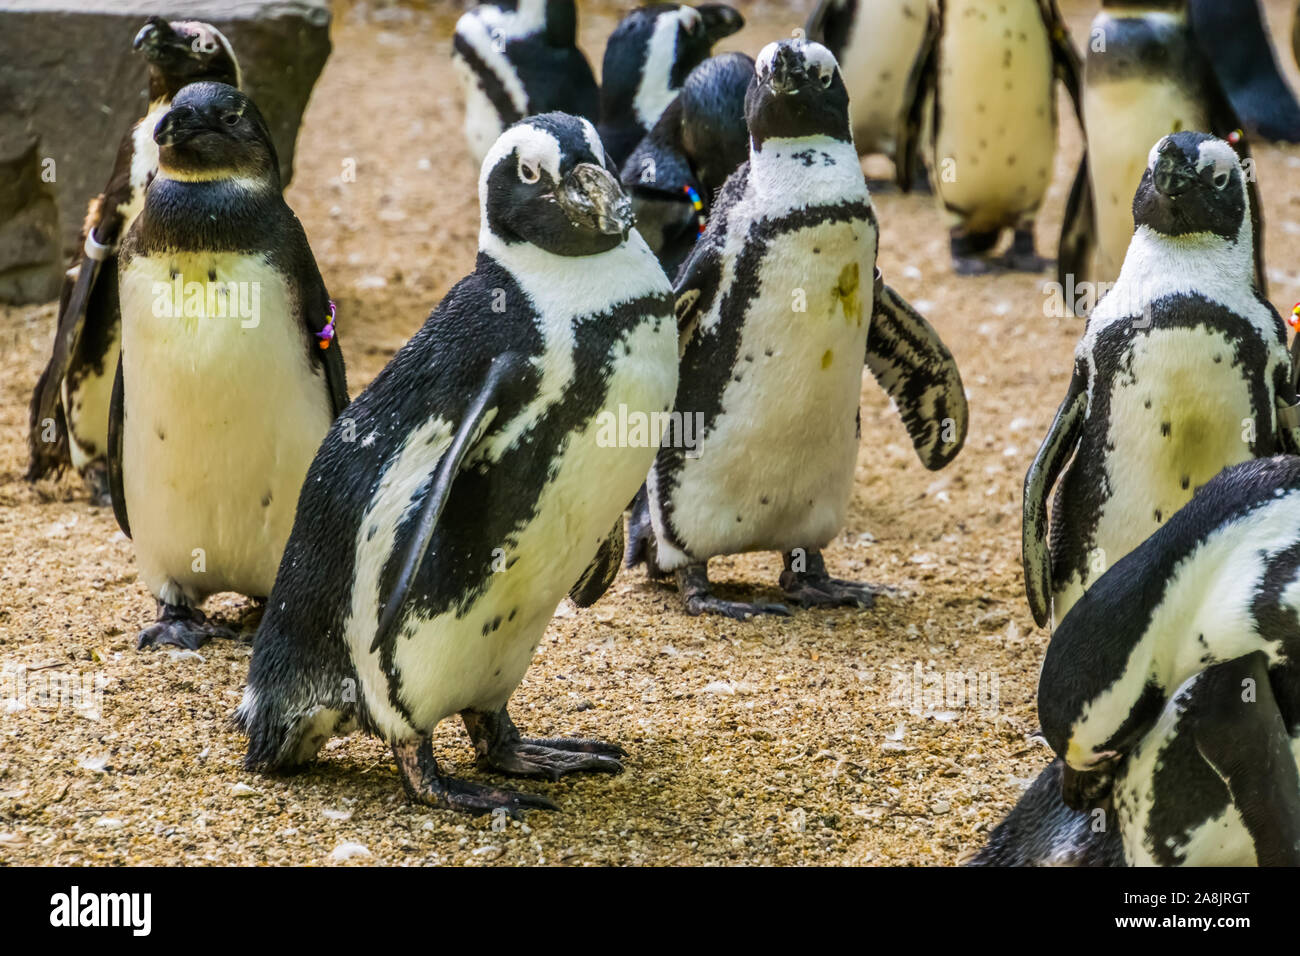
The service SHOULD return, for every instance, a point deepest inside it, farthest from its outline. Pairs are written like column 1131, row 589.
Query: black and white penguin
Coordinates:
column 1177, row 675
column 778, row 309
column 516, row 58
column 229, row 373
column 647, row 59
column 877, row 44
column 1233, row 36
column 992, row 69
column 69, row 406
column 479, row 477
column 1144, row 77
column 676, row 172
column 1183, row 370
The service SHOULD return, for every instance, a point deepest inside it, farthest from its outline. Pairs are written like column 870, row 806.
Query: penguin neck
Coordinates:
column 807, row 171
column 656, row 89
column 1157, row 265
column 219, row 214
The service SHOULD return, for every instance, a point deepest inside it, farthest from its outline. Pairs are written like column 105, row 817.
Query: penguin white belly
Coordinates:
column 1126, row 118
column 995, row 143
column 797, row 385
column 475, row 659
column 86, row 405
column 223, row 414
column 877, row 62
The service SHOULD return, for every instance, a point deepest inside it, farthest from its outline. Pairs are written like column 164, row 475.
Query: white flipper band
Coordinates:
column 97, row 250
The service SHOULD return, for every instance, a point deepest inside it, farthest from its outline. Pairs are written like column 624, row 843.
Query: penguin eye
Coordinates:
column 529, row 172
column 230, row 119
column 827, row 77
column 1221, row 179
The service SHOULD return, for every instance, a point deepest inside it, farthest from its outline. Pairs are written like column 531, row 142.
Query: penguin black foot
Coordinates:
column 970, row 252
column 95, row 475
column 424, row 784
column 807, row 584
column 640, row 546
column 181, row 626
column 501, row 748
column 1021, row 257
column 693, row 585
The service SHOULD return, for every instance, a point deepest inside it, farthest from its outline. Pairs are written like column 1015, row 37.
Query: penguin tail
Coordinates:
column 1041, row 830
column 289, row 714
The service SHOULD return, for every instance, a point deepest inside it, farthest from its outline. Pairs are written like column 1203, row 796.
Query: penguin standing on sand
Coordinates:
column 673, row 176
column 230, row 372
column 1145, row 77
column 877, row 44
column 992, row 69
column 69, row 406
column 647, row 59
column 778, row 310
column 1183, row 370
column 1172, row 691
column 516, row 58
column 431, row 549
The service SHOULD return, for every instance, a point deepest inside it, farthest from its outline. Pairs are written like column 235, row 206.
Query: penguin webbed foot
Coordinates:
column 95, row 476
column 807, row 584
column 501, row 748
column 425, row 784
column 183, row 627
column 970, row 252
column 1021, row 257
column 698, row 598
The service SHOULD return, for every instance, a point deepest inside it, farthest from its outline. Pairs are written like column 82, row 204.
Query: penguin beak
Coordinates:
column 592, row 199
column 720, row 20
column 153, row 36
column 178, row 125
column 1173, row 174
column 788, row 72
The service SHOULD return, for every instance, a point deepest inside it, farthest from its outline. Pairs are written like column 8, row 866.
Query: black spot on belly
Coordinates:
column 513, row 612
column 1186, row 482
column 1147, row 403
column 266, row 500
column 763, row 500
column 737, row 378
column 817, row 250
column 497, row 673
column 1159, row 514
column 162, row 436
column 1218, row 359
column 1165, row 429
column 212, row 275
column 739, row 519
column 767, row 352
column 371, row 533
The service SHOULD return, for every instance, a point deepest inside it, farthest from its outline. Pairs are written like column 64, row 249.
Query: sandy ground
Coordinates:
column 773, row 741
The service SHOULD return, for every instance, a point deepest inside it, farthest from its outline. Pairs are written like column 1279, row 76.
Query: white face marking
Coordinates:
column 656, row 91
column 206, row 39
column 1217, row 154
column 537, row 150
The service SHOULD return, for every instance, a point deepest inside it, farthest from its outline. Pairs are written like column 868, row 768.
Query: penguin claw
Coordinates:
column 535, row 758
column 698, row 604
column 827, row 592
column 181, row 627
column 425, row 784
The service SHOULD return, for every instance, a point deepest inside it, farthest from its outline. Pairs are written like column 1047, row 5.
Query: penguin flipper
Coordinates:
column 1069, row 67
column 1052, row 455
column 504, row 369
column 1078, row 234
column 315, row 304
column 1246, row 742
column 916, row 369
column 116, row 488
column 920, row 84
column 47, row 397
column 600, row 574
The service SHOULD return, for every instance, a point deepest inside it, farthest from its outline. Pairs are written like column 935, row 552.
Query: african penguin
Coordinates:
column 480, row 478
column 69, row 406
column 877, row 44
column 1175, row 681
column 778, row 308
column 1182, row 370
column 647, row 59
column 516, row 58
column 1233, row 35
column 229, row 373
column 674, row 174
column 1144, row 78
column 992, row 69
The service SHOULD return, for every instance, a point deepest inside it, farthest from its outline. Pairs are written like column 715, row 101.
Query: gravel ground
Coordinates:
column 807, row 740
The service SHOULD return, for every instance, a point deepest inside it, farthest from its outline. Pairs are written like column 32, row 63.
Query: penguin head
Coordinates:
column 713, row 117
column 652, row 51
column 1193, row 185
column 215, row 132
column 186, row 51
column 545, row 182
column 796, row 92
